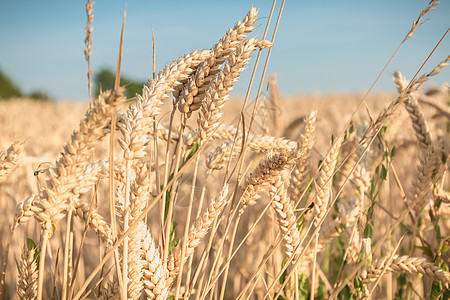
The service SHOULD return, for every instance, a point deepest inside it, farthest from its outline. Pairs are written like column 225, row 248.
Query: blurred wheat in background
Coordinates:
column 181, row 192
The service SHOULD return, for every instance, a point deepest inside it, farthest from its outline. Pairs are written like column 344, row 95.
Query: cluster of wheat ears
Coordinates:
column 257, row 218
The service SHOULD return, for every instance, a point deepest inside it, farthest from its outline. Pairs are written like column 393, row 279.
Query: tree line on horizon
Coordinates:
column 103, row 80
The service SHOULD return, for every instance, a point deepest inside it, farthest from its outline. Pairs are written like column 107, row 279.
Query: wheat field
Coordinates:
column 184, row 192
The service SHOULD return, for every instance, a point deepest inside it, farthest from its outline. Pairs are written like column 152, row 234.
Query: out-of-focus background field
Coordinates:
column 329, row 73
column 44, row 126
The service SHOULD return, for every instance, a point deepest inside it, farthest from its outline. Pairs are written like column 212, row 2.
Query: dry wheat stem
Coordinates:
column 186, row 229
column 245, row 142
column 88, row 44
column 191, row 283
column 45, row 235
column 241, row 121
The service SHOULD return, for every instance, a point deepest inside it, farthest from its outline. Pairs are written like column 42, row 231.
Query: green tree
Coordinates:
column 7, row 88
column 104, row 80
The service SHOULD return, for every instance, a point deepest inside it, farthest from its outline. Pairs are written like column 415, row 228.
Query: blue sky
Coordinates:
column 321, row 45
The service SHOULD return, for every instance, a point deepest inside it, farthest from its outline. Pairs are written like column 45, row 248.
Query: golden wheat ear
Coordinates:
column 28, row 274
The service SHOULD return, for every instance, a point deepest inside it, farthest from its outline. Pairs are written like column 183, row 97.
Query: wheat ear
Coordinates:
column 265, row 174
column 414, row 86
column 191, row 95
column 299, row 175
column 155, row 274
column 286, row 217
column 215, row 97
column 51, row 204
column 324, row 182
column 91, row 175
column 196, row 234
column 10, row 159
column 275, row 102
column 134, row 123
column 218, row 158
column 413, row 265
column 28, row 275
column 429, row 164
column 419, row 123
column 440, row 106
